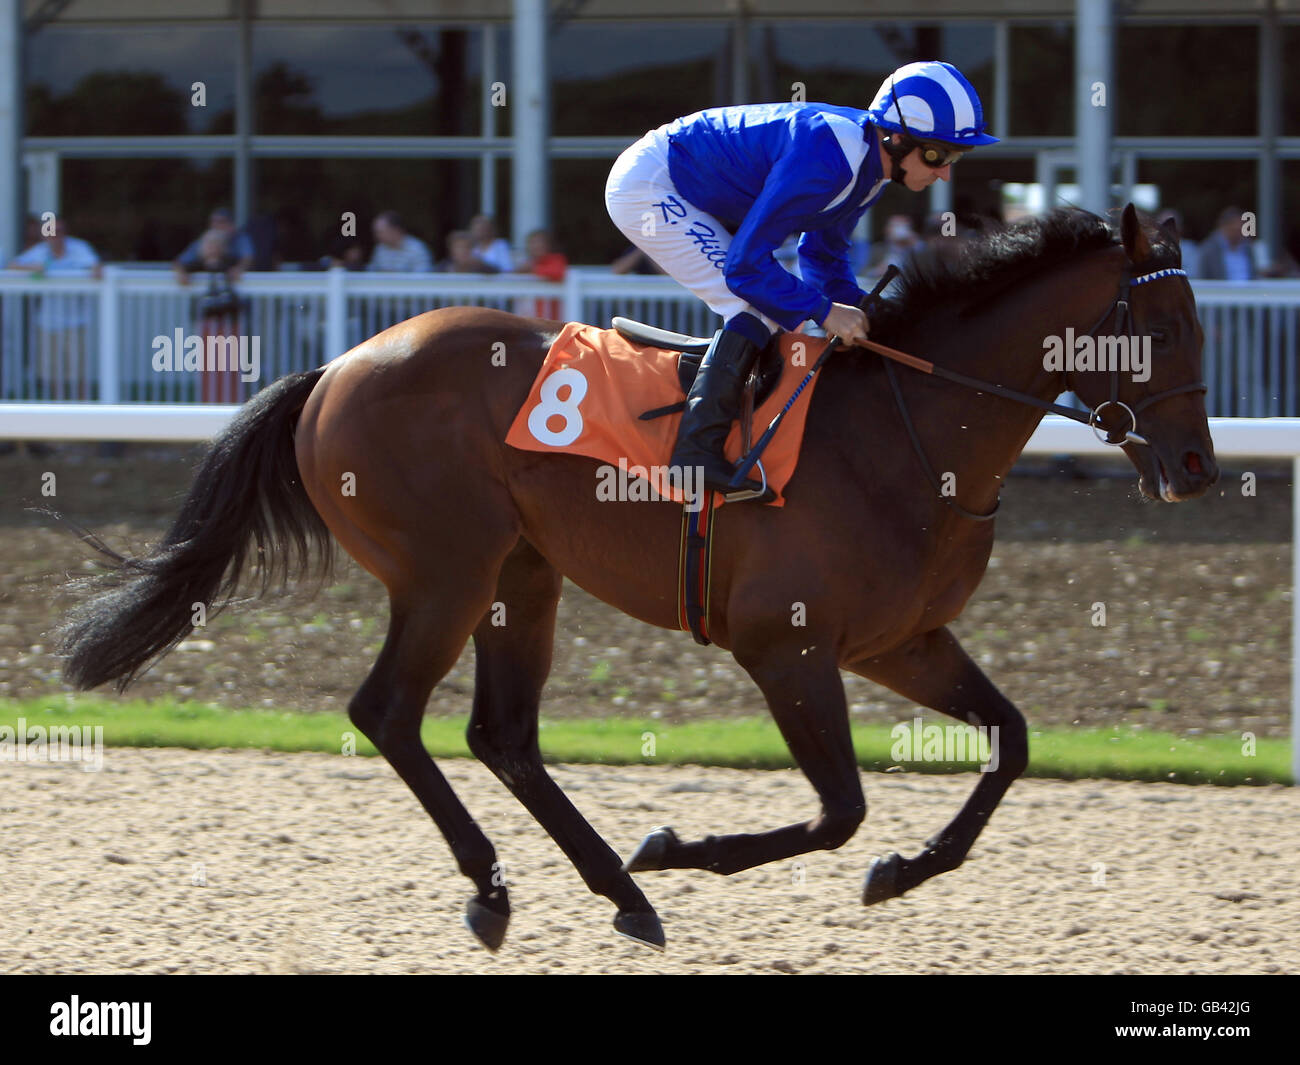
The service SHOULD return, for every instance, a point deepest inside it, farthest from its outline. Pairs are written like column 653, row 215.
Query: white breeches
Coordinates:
column 689, row 244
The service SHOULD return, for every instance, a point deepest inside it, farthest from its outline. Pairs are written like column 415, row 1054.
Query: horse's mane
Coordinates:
column 952, row 273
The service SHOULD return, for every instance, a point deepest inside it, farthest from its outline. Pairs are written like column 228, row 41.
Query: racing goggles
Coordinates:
column 936, row 156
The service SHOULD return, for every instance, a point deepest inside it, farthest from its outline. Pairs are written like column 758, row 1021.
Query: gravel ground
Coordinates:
column 174, row 861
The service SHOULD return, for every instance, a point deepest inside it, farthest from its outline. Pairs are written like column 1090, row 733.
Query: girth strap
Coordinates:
column 694, row 565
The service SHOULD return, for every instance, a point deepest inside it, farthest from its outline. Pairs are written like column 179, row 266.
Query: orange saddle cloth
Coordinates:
column 594, row 384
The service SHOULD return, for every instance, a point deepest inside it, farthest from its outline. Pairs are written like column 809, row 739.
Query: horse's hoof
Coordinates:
column 882, row 879
column 641, row 927
column 488, row 925
column 650, row 854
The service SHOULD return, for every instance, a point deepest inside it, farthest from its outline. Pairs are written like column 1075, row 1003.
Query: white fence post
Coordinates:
column 336, row 313
column 573, row 292
column 109, row 364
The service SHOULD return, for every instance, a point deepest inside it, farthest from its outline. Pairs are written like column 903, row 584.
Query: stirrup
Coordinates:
column 741, row 494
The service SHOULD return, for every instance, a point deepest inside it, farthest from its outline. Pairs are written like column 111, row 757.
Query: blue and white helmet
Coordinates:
column 937, row 104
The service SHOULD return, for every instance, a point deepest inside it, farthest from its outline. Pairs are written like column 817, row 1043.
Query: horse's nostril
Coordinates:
column 1192, row 463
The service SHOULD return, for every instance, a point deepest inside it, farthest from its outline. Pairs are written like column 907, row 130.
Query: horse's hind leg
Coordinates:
column 427, row 631
column 806, row 697
column 513, row 646
column 934, row 671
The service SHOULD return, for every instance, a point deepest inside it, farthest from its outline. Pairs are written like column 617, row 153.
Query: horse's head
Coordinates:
column 1156, row 403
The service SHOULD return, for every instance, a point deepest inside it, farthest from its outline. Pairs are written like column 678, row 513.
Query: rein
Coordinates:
column 1092, row 419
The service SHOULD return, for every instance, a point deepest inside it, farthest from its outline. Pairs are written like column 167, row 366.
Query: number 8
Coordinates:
column 551, row 405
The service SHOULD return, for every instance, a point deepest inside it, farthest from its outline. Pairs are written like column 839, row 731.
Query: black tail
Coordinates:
column 247, row 503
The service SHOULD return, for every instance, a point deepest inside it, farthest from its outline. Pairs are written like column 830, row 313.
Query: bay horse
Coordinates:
column 396, row 449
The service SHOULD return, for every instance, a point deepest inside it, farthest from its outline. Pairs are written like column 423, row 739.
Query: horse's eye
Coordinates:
column 1159, row 336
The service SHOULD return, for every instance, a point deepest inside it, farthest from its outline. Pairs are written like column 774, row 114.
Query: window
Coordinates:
column 1186, row 81
column 582, row 226
column 1042, row 81
column 370, row 80
column 122, row 81
column 143, row 209
column 1290, row 83
column 616, row 78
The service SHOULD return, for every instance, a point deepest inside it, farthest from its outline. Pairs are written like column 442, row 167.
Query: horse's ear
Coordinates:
column 1135, row 240
column 1170, row 227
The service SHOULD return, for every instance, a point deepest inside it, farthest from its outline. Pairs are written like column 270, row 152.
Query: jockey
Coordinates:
column 711, row 196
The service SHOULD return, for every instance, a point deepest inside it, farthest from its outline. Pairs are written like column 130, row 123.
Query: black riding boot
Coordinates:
column 712, row 405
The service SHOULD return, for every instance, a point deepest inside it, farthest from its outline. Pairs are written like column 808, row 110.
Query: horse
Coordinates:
column 396, row 451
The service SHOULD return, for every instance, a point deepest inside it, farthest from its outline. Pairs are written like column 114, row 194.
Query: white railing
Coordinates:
column 82, row 340
column 79, row 340
column 1252, row 333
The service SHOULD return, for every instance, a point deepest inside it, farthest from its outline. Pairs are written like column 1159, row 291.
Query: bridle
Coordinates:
column 1093, row 419
column 1120, row 309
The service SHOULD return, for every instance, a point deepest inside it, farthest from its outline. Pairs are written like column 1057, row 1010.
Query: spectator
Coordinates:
column 492, row 249
column 542, row 260
column 219, row 312
column 241, row 248
column 63, row 321
column 217, row 258
column 1227, row 254
column 396, row 251
column 1190, row 249
column 58, row 254
column 461, row 257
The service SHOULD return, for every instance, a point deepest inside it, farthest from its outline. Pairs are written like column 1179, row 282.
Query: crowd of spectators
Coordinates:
column 1229, row 252
column 231, row 250
column 62, row 324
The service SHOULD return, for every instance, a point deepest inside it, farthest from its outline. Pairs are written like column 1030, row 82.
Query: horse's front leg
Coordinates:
column 806, row 696
column 935, row 672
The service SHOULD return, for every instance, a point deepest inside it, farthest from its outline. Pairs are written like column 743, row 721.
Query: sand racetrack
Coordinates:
column 251, row 862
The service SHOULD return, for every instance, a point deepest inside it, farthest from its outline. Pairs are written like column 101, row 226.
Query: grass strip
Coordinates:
column 744, row 743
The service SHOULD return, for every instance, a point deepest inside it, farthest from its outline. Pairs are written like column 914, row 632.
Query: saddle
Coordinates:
column 767, row 370
column 589, row 398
